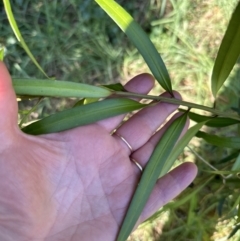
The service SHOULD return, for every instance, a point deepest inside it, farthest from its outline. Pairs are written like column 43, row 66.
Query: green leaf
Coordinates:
column 80, row 102
column 236, row 165
column 140, row 40
column 236, row 110
column 234, row 231
column 220, row 206
column 82, row 115
column 18, row 35
column 230, row 157
column 221, row 172
column 86, row 101
column 189, row 194
column 228, row 52
column 179, row 202
column 116, row 87
column 213, row 121
column 180, row 146
column 239, row 115
column 56, row 88
column 1, row 53
column 230, row 142
column 150, row 175
column 90, row 100
column 238, row 219
column 28, row 112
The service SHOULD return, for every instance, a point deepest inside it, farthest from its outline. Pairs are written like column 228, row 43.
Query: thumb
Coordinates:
column 8, row 103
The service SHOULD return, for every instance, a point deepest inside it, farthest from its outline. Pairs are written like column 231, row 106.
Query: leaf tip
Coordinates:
column 214, row 89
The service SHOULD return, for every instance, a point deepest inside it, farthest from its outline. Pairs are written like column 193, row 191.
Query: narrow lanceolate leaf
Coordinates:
column 82, row 115
column 230, row 142
column 150, row 175
column 56, row 88
column 234, row 230
column 213, row 121
column 140, row 40
column 1, row 53
column 90, row 100
column 230, row 157
column 79, row 102
column 236, row 165
column 221, row 172
column 18, row 35
column 179, row 147
column 116, row 87
column 228, row 52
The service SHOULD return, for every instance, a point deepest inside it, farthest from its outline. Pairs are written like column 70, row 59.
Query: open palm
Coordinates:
column 77, row 184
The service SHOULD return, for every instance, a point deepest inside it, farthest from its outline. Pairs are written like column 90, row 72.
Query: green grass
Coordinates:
column 75, row 40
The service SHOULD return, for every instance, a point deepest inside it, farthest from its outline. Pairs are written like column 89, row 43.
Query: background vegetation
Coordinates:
column 75, row 40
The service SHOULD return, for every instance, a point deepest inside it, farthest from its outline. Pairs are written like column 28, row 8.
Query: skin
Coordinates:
column 77, row 184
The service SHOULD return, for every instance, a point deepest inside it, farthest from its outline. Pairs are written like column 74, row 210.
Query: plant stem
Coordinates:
column 177, row 102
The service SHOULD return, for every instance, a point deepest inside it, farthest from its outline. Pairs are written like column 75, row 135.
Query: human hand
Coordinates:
column 77, row 184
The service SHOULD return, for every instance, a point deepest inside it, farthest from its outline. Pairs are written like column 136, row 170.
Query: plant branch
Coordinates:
column 177, row 102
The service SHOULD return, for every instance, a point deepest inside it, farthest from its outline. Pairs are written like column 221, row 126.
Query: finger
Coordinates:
column 140, row 84
column 140, row 127
column 168, row 187
column 143, row 154
column 8, row 104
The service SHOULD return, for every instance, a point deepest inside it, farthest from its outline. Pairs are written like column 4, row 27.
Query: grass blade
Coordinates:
column 82, row 115
column 179, row 147
column 140, row 40
column 150, row 175
column 228, row 52
column 230, row 142
column 56, row 88
column 18, row 35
